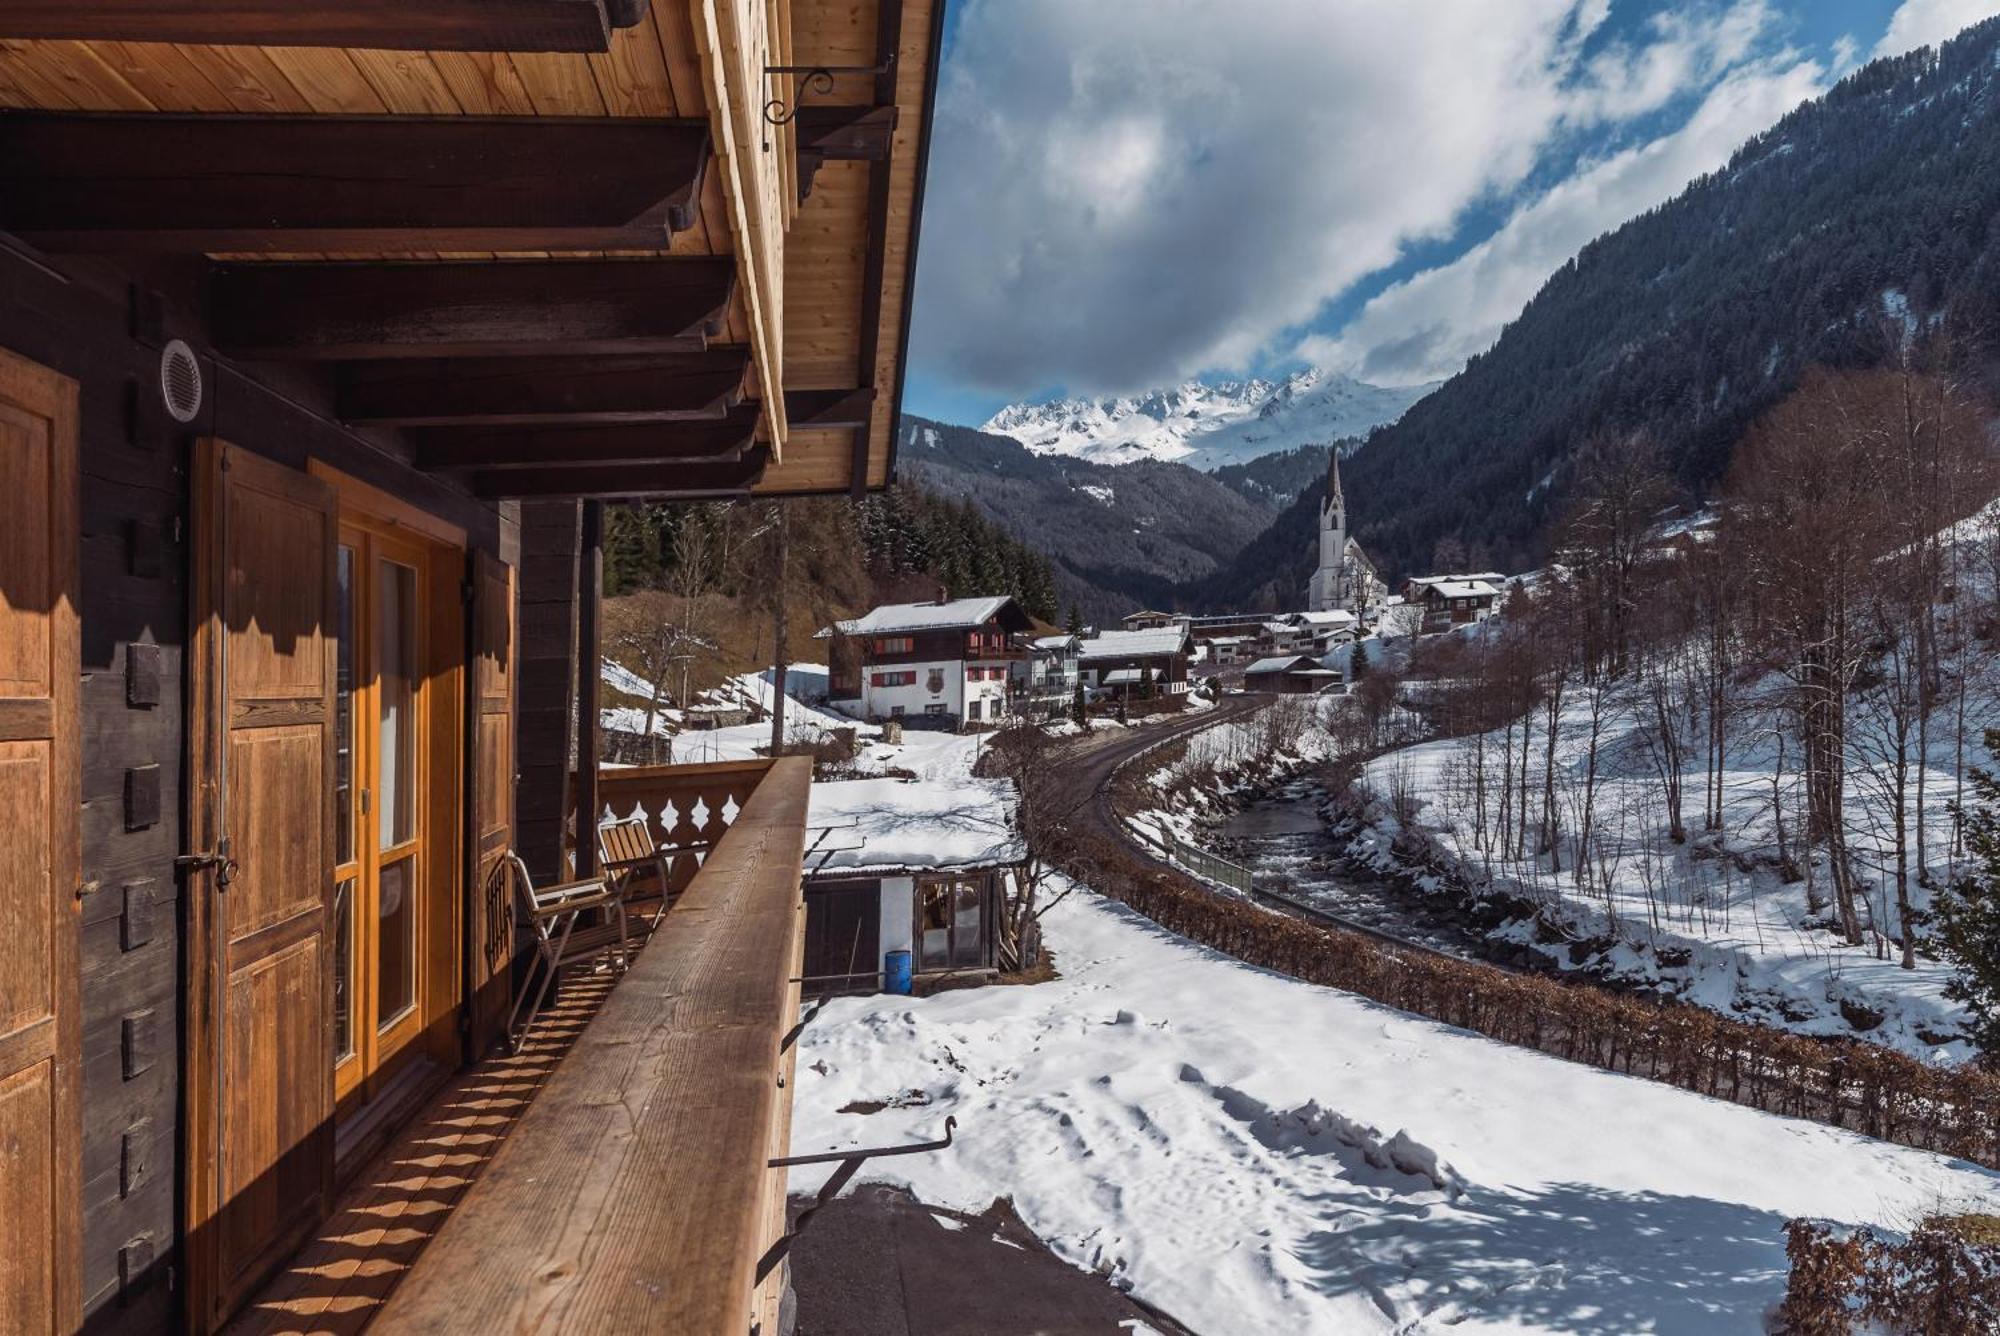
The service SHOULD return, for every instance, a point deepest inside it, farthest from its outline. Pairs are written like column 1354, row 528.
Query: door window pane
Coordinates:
column 343, row 971
column 934, row 927
column 395, row 658
column 967, row 942
column 395, row 943
column 343, row 709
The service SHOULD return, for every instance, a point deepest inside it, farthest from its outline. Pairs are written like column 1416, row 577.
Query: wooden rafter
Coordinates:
column 841, row 134
column 408, row 25
column 336, row 311
column 519, row 391
column 663, row 481
column 813, row 409
column 84, row 181
column 585, row 446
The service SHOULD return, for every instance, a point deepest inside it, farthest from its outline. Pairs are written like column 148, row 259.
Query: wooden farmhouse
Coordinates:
column 326, row 329
column 924, row 868
column 1120, row 663
column 1454, row 600
column 938, row 665
column 1290, row 675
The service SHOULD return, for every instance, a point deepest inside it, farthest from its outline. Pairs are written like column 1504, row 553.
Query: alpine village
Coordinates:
column 989, row 667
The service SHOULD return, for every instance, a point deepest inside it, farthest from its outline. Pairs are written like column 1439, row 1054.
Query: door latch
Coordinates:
column 218, row 858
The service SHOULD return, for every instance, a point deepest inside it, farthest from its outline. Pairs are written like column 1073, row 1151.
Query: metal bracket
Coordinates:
column 819, row 78
column 850, row 1164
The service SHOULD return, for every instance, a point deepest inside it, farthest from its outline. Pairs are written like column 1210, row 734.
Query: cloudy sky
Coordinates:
column 1130, row 193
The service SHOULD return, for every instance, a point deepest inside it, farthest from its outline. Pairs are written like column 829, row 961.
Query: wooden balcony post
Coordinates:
column 544, row 720
column 589, row 658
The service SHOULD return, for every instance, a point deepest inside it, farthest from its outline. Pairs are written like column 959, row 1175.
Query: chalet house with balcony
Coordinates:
column 1043, row 680
column 938, row 665
column 327, row 328
column 1454, row 600
column 1120, row 662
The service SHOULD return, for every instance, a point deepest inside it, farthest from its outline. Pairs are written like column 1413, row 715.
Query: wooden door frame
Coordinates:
column 397, row 530
column 28, row 381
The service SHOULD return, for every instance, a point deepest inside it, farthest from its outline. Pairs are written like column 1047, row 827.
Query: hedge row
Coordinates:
column 1845, row 1083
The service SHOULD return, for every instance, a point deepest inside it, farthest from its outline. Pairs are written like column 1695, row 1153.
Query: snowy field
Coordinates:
column 1751, row 943
column 1258, row 1155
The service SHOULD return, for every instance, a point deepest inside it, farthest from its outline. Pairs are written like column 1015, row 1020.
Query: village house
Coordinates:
column 326, row 331
column 939, row 665
column 925, row 869
column 1454, row 600
column 1228, row 651
column 1122, row 662
column 1042, row 681
column 1290, row 675
column 1147, row 620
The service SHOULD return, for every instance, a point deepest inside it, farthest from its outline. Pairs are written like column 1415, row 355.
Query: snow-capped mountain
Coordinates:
column 1208, row 426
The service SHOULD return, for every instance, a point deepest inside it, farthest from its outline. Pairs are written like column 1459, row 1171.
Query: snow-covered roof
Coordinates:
column 1053, row 642
column 1330, row 617
column 1464, row 589
column 1123, row 677
column 887, row 824
column 1462, row 577
column 1280, row 628
column 1227, row 640
column 895, row 618
column 1120, row 644
column 1283, row 663
column 1145, row 614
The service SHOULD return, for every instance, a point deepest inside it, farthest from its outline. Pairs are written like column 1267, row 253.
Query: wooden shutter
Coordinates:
column 40, row 1168
column 260, row 1093
column 492, row 770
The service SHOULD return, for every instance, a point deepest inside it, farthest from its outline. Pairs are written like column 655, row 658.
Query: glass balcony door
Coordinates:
column 379, row 779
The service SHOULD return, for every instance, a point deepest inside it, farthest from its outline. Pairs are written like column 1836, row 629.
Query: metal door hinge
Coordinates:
column 217, row 858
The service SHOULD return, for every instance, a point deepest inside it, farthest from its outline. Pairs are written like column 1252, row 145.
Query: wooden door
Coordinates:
column 40, row 1169
column 260, row 1089
column 491, row 736
column 843, row 948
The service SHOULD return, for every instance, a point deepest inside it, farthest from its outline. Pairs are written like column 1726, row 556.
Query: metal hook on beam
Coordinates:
column 818, row 78
column 850, row 1164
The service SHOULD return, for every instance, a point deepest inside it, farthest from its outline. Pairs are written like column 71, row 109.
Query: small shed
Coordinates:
column 925, row 867
column 1289, row 675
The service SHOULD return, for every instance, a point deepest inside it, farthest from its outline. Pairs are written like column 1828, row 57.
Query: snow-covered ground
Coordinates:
column 1255, row 1155
column 1750, row 943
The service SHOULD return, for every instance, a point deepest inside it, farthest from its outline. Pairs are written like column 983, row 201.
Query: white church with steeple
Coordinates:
column 1346, row 581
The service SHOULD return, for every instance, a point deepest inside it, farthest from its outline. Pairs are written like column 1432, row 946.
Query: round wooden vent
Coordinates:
column 180, row 381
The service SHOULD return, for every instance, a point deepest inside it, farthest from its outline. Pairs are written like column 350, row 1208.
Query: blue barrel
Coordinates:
column 896, row 972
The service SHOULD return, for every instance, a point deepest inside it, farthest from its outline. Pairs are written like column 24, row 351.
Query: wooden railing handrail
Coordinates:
column 634, row 1194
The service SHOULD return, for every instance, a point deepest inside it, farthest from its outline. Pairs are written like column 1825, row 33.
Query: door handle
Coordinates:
column 218, row 858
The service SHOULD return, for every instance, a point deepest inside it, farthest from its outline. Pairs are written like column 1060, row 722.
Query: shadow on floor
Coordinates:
column 878, row 1262
column 389, row 1211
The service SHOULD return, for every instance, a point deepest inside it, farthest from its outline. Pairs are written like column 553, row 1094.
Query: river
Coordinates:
column 1284, row 839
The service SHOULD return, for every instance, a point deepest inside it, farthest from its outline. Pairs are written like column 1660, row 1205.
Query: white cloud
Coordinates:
column 1927, row 22
column 1427, row 326
column 1126, row 192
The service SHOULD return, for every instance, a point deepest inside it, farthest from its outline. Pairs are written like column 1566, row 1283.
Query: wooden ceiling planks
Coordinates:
column 652, row 69
column 477, row 25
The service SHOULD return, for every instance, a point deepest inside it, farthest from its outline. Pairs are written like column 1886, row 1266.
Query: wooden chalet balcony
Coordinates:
column 634, row 1193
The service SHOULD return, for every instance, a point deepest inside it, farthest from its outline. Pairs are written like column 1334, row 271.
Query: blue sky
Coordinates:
column 1131, row 193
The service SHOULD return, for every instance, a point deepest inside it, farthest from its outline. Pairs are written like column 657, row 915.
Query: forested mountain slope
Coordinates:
column 1869, row 212
column 1118, row 535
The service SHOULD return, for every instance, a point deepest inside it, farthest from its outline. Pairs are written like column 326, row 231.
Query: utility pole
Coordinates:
column 780, row 587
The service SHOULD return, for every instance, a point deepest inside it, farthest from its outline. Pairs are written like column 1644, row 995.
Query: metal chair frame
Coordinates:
column 626, row 848
column 552, row 912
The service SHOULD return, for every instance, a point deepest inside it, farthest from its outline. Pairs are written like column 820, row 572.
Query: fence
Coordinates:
column 1845, row 1083
column 1199, row 861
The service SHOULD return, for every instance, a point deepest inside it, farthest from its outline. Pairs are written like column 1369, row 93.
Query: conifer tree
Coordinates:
column 1968, row 910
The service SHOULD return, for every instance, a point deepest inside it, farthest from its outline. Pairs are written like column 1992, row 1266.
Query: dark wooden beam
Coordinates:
column 808, row 410
column 662, row 481
column 874, row 264
column 95, row 182
column 402, row 25
column 841, row 134
column 553, row 391
column 335, row 311
column 589, row 679
column 623, row 443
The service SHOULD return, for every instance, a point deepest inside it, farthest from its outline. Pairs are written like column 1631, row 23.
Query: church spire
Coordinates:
column 1333, row 496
